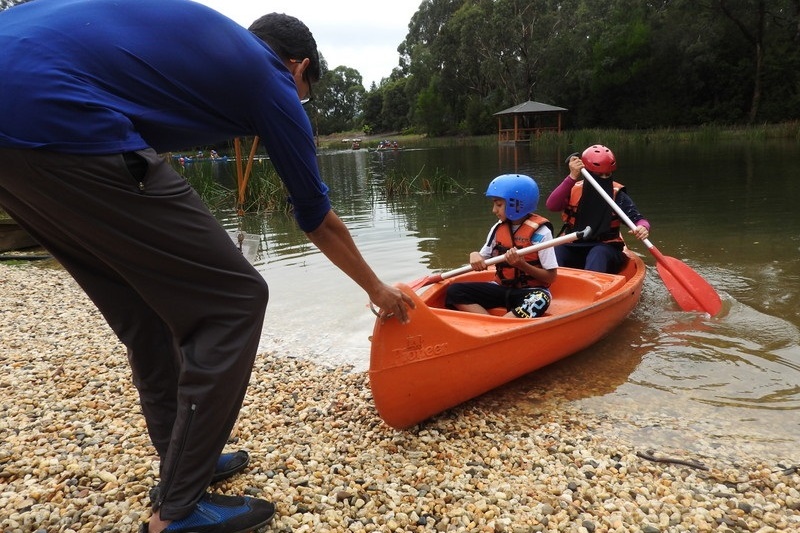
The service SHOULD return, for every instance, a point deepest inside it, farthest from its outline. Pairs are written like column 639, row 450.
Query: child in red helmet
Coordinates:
column 583, row 206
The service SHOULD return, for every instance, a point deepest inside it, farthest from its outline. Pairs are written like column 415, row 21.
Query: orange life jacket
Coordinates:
column 523, row 237
column 570, row 214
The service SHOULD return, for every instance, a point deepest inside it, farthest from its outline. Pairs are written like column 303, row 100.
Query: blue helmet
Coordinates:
column 519, row 191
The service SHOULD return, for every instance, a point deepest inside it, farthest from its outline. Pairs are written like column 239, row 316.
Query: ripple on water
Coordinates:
column 734, row 379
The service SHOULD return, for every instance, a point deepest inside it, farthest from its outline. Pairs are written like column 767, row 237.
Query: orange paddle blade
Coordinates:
column 689, row 289
column 424, row 282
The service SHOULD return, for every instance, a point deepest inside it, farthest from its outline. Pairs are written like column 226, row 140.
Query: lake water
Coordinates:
column 727, row 210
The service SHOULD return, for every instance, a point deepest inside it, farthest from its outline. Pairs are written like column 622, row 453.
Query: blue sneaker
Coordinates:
column 216, row 513
column 229, row 464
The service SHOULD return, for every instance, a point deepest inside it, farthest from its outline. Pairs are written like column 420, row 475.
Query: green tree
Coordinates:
column 423, row 50
column 481, row 56
column 430, row 113
column 462, row 81
column 764, row 25
column 388, row 107
column 613, row 63
column 478, row 119
column 396, row 109
column 372, row 108
column 338, row 103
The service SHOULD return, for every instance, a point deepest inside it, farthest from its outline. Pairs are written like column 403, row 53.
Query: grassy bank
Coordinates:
column 787, row 130
column 705, row 134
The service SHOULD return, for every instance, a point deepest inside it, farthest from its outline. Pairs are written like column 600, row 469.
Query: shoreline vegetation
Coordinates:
column 75, row 456
column 787, row 130
column 266, row 194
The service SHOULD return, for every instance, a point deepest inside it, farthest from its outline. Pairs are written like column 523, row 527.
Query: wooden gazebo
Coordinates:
column 526, row 120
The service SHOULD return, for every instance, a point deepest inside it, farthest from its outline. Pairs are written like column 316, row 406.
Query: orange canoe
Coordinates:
column 444, row 357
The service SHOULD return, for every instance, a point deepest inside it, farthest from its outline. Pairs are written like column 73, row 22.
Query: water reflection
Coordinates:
column 722, row 209
column 746, row 360
column 734, row 380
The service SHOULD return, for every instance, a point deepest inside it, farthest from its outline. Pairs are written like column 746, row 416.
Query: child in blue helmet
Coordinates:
column 520, row 284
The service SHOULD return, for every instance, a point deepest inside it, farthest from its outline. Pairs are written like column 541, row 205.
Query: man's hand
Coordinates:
column 392, row 302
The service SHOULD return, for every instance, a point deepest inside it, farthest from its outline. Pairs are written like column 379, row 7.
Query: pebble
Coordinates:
column 75, row 456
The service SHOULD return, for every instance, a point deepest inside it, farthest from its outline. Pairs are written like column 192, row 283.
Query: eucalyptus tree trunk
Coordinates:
column 755, row 37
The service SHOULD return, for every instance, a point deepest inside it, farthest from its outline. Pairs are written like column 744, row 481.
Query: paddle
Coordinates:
column 564, row 239
column 689, row 289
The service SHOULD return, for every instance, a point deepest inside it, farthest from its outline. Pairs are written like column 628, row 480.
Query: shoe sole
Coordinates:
column 258, row 528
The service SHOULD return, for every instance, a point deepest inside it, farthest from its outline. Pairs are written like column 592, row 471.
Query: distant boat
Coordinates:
column 383, row 150
column 355, row 143
column 387, row 146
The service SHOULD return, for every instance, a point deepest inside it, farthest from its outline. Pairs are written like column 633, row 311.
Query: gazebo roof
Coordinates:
column 530, row 107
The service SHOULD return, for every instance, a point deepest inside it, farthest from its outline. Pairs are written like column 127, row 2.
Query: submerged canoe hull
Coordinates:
column 444, row 357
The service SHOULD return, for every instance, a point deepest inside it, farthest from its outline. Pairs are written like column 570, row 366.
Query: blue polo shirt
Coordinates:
column 99, row 77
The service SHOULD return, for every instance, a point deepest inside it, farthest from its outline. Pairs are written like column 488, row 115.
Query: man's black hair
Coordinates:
column 290, row 39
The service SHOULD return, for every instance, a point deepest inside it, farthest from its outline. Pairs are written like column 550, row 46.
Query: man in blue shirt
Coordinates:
column 90, row 92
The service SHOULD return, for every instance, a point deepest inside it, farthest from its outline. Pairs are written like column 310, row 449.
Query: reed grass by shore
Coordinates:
column 264, row 192
column 398, row 183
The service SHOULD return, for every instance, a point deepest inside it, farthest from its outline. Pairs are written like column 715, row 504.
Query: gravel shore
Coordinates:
column 74, row 453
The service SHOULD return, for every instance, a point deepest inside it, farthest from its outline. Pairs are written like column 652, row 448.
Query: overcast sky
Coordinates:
column 361, row 34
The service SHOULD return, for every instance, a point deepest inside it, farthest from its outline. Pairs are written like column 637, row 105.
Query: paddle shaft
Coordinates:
column 564, row 239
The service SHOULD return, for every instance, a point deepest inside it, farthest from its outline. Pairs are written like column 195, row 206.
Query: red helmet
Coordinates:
column 599, row 159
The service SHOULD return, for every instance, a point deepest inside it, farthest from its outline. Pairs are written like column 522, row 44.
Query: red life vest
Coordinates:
column 570, row 214
column 505, row 274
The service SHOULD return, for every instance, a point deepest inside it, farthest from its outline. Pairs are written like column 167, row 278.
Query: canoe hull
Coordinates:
column 443, row 357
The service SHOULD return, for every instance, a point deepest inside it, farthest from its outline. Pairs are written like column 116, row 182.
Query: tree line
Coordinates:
column 630, row 64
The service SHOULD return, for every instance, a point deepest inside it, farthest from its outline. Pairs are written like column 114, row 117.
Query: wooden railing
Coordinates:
column 522, row 134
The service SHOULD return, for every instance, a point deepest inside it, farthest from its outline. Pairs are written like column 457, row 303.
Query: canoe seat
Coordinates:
column 610, row 283
column 581, row 288
column 589, row 287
